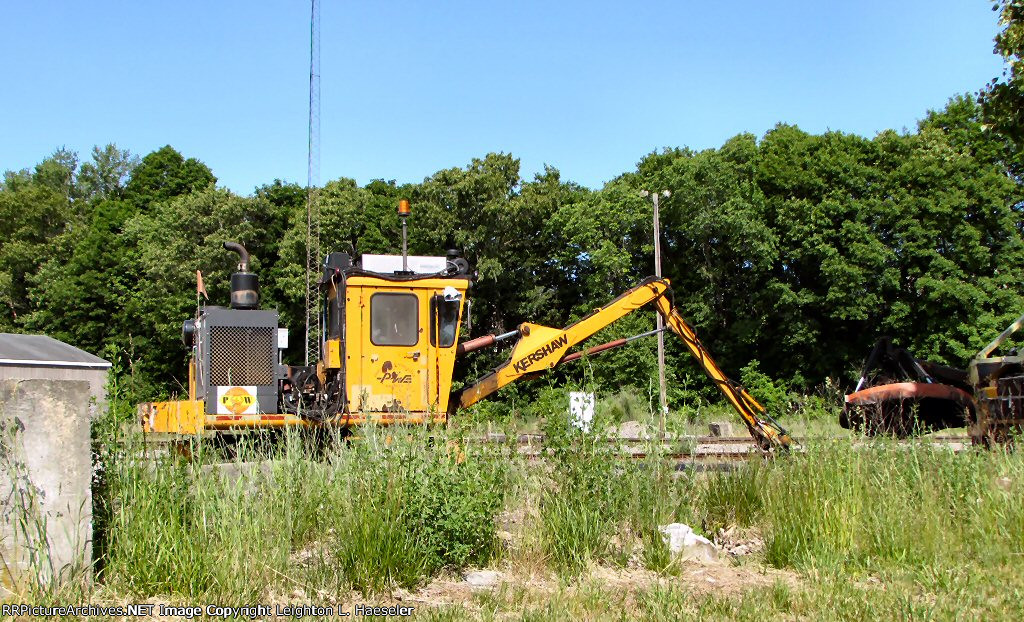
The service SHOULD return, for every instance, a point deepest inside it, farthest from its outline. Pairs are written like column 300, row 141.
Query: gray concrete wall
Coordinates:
column 45, row 477
column 96, row 377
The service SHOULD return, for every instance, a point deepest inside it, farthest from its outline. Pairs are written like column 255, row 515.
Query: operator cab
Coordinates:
column 391, row 325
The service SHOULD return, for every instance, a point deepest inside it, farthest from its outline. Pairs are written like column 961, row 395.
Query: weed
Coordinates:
column 732, row 498
column 626, row 405
column 772, row 395
column 411, row 511
column 597, row 504
column 369, row 517
column 656, row 554
column 875, row 528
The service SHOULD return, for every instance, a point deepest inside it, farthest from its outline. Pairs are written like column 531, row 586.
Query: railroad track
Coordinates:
column 698, row 453
column 710, row 453
column 537, row 438
column 734, row 443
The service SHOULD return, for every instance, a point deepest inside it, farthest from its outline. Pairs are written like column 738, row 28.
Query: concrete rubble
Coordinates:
column 739, row 542
column 633, row 430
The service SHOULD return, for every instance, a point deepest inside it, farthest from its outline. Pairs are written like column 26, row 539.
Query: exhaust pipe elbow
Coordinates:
column 243, row 255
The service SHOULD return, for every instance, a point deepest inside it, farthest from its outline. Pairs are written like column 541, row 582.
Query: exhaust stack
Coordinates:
column 245, row 286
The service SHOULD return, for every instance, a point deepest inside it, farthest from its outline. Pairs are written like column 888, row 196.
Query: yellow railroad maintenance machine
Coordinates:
column 390, row 343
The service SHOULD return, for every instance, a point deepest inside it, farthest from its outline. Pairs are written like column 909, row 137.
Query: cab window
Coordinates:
column 444, row 319
column 394, row 320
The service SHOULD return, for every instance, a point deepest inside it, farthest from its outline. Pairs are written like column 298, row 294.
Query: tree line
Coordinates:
column 793, row 249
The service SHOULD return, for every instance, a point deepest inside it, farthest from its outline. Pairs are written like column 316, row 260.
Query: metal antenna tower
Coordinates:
column 313, row 180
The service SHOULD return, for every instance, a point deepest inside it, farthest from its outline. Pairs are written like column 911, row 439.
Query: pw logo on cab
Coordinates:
column 390, row 376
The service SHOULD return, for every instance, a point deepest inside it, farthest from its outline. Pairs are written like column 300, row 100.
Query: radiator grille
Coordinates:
column 241, row 355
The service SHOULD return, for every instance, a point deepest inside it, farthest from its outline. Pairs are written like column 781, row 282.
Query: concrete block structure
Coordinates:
column 50, row 392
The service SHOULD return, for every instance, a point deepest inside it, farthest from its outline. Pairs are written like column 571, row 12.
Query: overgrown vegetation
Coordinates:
column 598, row 508
column 857, row 528
column 390, row 509
column 867, row 529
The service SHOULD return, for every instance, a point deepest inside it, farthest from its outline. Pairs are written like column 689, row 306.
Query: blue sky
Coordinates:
column 409, row 88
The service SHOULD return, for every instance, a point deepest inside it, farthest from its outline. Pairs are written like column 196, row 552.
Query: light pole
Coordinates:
column 655, row 196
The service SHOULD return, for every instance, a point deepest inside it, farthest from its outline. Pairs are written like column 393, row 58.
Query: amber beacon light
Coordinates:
column 403, row 213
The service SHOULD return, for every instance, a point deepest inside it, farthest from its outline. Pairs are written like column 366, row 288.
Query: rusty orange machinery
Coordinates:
column 904, row 396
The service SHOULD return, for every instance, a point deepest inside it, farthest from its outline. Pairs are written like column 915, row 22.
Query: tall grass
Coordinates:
column 850, row 505
column 875, row 529
column 883, row 504
column 412, row 510
column 877, row 505
column 187, row 528
column 367, row 516
column 598, row 507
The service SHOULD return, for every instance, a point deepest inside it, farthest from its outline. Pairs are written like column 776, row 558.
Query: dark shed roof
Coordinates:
column 43, row 351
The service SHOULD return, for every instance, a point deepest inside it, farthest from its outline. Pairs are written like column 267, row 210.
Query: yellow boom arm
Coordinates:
column 541, row 347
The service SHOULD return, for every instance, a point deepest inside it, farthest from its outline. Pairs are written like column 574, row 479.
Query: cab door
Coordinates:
column 444, row 312
column 394, row 374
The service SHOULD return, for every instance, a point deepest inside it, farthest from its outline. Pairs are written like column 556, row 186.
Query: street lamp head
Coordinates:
column 644, row 193
column 666, row 193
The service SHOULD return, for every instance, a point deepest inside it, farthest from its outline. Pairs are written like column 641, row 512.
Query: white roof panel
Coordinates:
column 41, row 350
column 418, row 264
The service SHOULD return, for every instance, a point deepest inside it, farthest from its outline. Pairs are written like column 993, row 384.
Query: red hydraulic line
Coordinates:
column 607, row 346
column 595, row 349
column 483, row 342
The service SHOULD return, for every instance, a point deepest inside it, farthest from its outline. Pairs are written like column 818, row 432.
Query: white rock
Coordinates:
column 684, row 543
column 483, row 578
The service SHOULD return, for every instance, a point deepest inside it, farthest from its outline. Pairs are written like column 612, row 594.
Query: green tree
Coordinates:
column 717, row 250
column 35, row 208
column 106, row 175
column 82, row 294
column 80, row 297
column 473, row 210
column 281, row 278
column 164, row 174
column 1003, row 97
column 954, row 224
column 825, row 295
